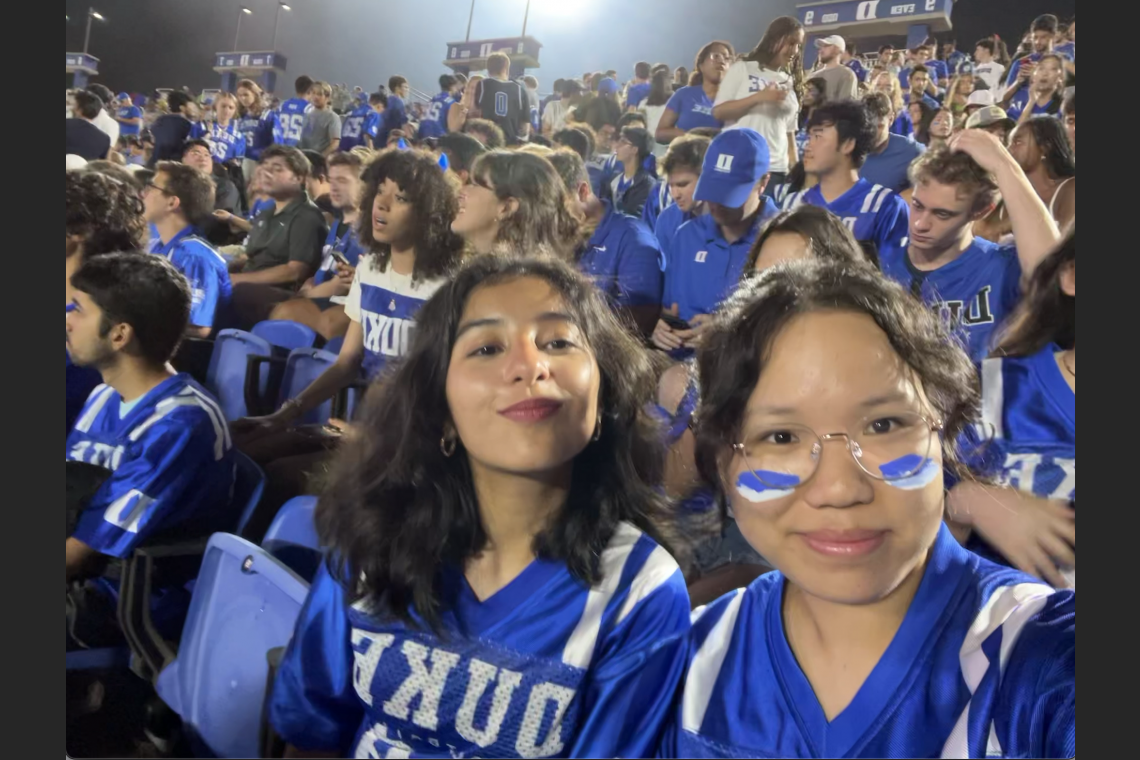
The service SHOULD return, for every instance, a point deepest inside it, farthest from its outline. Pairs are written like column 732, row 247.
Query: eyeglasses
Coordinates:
column 159, row 188
column 887, row 447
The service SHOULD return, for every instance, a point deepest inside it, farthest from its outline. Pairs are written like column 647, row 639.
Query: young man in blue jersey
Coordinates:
column 434, row 123
column 176, row 199
column 159, row 433
column 840, row 134
column 682, row 169
column 622, row 256
column 396, row 113
column 291, row 113
column 890, row 155
column 501, row 101
column 129, row 116
column 973, row 283
column 707, row 255
column 639, row 88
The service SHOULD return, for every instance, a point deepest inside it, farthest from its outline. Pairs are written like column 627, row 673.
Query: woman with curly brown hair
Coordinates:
column 408, row 208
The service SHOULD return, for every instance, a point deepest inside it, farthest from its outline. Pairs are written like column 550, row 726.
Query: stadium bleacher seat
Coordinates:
column 249, row 483
column 245, row 603
column 228, row 363
column 303, row 366
column 292, row 538
column 286, row 334
column 333, row 346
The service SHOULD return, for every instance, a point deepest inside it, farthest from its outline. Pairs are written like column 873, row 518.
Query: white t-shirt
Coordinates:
column 653, row 116
column 772, row 120
column 993, row 74
column 108, row 125
column 554, row 116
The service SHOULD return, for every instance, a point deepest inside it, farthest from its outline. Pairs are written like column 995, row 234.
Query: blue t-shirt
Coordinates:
column 395, row 117
column 545, row 667
column 260, row 205
column 434, row 123
column 973, row 293
column 226, row 143
column 889, row 168
column 129, row 112
column 871, row 212
column 636, row 93
column 702, row 267
column 857, row 67
column 902, row 125
column 623, row 259
column 925, row 99
column 693, row 108
column 205, row 270
column 983, row 665
column 342, row 239
column 290, row 117
column 659, row 199
column 363, row 120
column 171, row 459
column 258, row 131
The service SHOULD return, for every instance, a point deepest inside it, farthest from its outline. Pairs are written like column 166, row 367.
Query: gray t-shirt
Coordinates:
column 842, row 83
column 319, row 129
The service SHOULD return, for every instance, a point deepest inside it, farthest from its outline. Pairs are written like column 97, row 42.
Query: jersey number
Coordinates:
column 293, row 126
column 433, row 112
column 352, row 127
column 500, row 104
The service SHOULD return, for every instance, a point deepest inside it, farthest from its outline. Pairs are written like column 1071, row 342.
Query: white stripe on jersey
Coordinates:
column 882, row 197
column 659, row 567
column 794, row 200
column 168, row 405
column 216, row 416
column 100, row 394
column 1009, row 608
column 869, row 198
column 993, row 399
column 579, row 650
column 705, row 667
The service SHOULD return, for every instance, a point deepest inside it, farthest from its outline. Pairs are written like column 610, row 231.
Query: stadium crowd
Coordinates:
column 717, row 413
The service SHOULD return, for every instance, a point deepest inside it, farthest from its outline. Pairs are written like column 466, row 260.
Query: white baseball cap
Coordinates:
column 834, row 39
column 74, row 162
column 980, row 98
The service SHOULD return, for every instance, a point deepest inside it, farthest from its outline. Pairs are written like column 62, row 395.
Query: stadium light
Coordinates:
column 277, row 21
column 243, row 11
column 92, row 14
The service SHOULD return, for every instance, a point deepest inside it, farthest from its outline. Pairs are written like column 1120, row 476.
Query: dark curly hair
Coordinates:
column 1046, row 313
column 396, row 510
column 735, row 350
column 434, row 205
column 106, row 212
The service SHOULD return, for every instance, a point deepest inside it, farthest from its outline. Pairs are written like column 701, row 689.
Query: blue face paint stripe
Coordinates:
column 923, row 471
column 775, row 485
column 904, row 465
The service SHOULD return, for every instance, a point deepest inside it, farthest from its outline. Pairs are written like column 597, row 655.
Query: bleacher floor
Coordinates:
column 115, row 729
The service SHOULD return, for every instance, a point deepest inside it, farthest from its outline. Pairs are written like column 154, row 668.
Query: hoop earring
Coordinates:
column 597, row 430
column 447, row 446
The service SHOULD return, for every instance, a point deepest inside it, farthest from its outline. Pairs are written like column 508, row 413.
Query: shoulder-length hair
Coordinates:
column 259, row 101
column 397, row 510
column 703, row 55
column 659, row 89
column 1046, row 314
column 434, row 205
column 736, row 349
column 779, row 30
column 1056, row 152
column 545, row 221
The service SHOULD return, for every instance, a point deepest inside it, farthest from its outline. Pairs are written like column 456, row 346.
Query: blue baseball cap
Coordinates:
column 608, row 86
column 734, row 162
column 123, row 96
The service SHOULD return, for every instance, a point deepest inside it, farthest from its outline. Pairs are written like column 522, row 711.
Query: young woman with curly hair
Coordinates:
column 496, row 582
column 405, row 227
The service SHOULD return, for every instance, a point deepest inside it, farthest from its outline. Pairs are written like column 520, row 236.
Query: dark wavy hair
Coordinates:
column 434, row 205
column 396, row 510
column 828, row 235
column 765, row 51
column 736, row 348
column 1056, row 153
column 105, row 211
column 1046, row 313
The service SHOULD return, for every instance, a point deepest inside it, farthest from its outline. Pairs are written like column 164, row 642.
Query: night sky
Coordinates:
column 170, row 43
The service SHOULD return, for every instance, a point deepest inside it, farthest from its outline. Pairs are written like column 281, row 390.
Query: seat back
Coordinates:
column 245, row 603
column 285, row 333
column 333, row 346
column 249, row 483
column 303, row 367
column 226, row 376
column 292, row 538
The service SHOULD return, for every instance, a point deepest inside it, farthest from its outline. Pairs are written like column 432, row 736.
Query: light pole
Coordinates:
column 526, row 16
column 277, row 20
column 92, row 14
column 470, row 16
column 242, row 12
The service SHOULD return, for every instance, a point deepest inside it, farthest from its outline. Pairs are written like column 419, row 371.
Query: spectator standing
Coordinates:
column 850, row 61
column 172, row 130
column 891, row 154
column 1069, row 117
column 255, row 121
column 320, row 130
column 555, row 116
column 842, row 84
column 435, row 121
column 639, row 87
column 987, row 67
column 1043, row 95
column 291, row 113
column 83, row 138
column 919, row 82
column 691, row 107
column 1042, row 35
column 128, row 115
column 106, row 120
column 503, row 102
column 654, row 107
column 953, row 56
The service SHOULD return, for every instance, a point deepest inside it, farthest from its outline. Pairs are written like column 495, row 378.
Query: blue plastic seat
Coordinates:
column 226, row 376
column 292, row 538
column 245, row 603
column 285, row 333
column 303, row 366
column 333, row 346
column 249, row 483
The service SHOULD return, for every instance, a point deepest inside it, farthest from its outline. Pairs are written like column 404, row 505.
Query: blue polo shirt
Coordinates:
column 693, row 108
column 666, row 228
column 623, row 258
column 704, row 268
column 204, row 268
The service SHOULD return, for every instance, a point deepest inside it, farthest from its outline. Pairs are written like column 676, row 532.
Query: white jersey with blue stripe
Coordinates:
column 171, row 459
column 545, row 667
column 983, row 665
column 872, row 212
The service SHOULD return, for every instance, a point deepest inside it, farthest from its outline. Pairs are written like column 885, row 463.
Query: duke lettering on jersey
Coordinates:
column 978, row 312
column 1043, row 475
column 386, row 335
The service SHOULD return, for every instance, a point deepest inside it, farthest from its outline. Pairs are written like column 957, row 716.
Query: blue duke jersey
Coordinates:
column 624, row 260
column 871, row 212
column 984, row 665
column 544, row 667
column 973, row 293
column 659, row 199
column 363, row 120
column 171, row 458
column 258, row 132
column 1019, row 102
column 384, row 304
column 342, row 239
column 205, row 270
column 434, row 123
column 290, row 117
column 226, row 143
